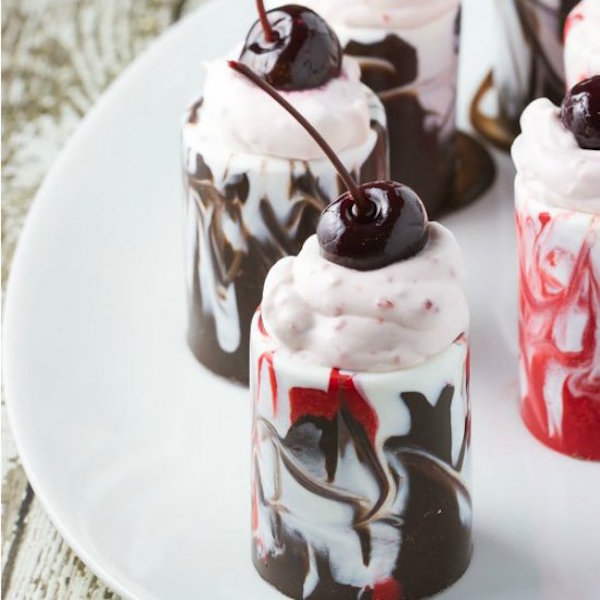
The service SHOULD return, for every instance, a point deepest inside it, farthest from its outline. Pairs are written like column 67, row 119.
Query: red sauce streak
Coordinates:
column 468, row 370
column 309, row 402
column 261, row 325
column 342, row 391
column 388, row 589
column 254, row 521
column 268, row 358
column 571, row 20
column 543, row 300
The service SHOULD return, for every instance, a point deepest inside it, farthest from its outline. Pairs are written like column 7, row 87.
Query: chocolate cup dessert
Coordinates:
column 360, row 480
column 361, row 421
column 244, row 212
column 413, row 69
column 529, row 64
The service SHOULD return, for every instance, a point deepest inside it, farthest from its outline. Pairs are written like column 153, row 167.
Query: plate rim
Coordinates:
column 116, row 579
column 17, row 272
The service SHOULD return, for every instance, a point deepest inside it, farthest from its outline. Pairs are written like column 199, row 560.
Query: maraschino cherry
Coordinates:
column 369, row 226
column 292, row 48
column 580, row 113
column 393, row 229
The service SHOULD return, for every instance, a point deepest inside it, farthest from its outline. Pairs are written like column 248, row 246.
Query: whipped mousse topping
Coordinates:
column 239, row 116
column 387, row 319
column 550, row 163
column 582, row 42
column 385, row 14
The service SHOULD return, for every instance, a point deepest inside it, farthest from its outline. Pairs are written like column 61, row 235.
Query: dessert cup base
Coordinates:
column 557, row 444
column 475, row 172
column 329, row 589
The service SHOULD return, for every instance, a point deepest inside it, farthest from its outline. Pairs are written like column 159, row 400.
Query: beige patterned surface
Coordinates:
column 58, row 56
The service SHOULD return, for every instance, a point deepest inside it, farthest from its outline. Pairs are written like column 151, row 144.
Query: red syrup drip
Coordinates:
column 571, row 20
column 542, row 295
column 468, row 372
column 314, row 403
column 268, row 358
column 342, row 391
column 388, row 589
column 261, row 324
column 467, row 393
column 462, row 338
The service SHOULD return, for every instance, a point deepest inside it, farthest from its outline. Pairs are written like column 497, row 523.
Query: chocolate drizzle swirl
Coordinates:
column 387, row 64
column 419, row 506
column 431, row 427
column 232, row 246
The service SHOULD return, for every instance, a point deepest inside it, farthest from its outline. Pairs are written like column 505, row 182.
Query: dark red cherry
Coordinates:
column 394, row 228
column 303, row 52
column 580, row 112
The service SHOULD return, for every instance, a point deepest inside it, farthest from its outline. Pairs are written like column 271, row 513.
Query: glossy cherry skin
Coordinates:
column 580, row 113
column 395, row 228
column 305, row 52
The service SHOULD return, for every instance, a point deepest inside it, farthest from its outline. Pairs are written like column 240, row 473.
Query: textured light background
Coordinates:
column 58, row 56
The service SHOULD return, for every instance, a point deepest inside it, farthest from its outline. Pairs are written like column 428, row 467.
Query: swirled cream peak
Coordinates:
column 381, row 320
column 384, row 14
column 241, row 117
column 550, row 163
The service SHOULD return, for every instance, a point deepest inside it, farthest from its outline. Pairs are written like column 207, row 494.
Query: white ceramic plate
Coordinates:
column 140, row 456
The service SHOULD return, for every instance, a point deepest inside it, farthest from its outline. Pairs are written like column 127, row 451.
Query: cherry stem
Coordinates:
column 362, row 204
column 264, row 21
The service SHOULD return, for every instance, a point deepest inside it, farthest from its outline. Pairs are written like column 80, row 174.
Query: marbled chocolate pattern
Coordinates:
column 532, row 59
column 420, row 114
column 240, row 221
column 359, row 486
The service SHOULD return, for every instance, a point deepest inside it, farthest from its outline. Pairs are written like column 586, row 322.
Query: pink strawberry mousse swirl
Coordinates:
column 387, row 14
column 551, row 165
column 241, row 118
column 387, row 319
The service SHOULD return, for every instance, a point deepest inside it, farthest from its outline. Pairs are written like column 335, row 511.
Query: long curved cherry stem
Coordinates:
column 264, row 21
column 362, row 204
